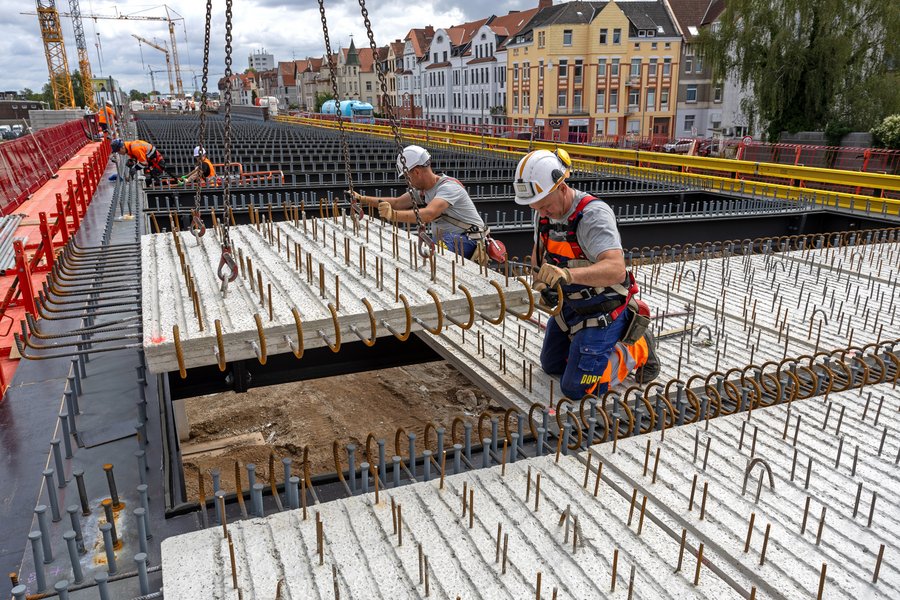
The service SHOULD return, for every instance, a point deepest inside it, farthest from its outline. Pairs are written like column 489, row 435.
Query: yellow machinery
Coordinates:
column 55, row 50
column 84, row 64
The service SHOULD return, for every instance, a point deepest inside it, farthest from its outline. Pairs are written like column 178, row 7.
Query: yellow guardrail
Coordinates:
column 637, row 164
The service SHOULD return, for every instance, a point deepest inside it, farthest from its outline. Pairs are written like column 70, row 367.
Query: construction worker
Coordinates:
column 596, row 340
column 203, row 171
column 142, row 155
column 107, row 119
column 446, row 203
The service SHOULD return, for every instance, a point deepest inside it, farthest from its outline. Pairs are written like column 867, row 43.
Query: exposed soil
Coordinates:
column 315, row 413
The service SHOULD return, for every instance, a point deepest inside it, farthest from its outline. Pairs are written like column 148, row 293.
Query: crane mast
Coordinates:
column 165, row 51
column 55, row 51
column 84, row 63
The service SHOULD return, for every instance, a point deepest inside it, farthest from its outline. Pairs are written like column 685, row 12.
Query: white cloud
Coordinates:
column 286, row 29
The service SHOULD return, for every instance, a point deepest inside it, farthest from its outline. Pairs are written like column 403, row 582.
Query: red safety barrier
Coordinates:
column 29, row 161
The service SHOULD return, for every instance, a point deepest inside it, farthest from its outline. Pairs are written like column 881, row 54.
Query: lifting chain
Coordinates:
column 426, row 243
column 356, row 210
column 198, row 228
column 227, row 260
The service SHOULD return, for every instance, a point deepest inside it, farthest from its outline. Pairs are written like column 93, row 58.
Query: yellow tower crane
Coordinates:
column 55, row 50
column 165, row 51
column 84, row 64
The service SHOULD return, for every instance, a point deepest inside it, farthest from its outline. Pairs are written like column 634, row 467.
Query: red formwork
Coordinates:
column 51, row 215
column 30, row 161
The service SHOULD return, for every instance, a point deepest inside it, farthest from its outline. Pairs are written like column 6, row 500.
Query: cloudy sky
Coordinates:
column 286, row 29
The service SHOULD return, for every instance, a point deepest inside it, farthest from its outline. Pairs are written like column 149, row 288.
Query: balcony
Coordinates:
column 575, row 111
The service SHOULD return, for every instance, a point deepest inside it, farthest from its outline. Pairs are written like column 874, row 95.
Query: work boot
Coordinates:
column 650, row 371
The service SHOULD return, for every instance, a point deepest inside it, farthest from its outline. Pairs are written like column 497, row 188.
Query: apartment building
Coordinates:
column 391, row 61
column 596, row 70
column 307, row 80
column 357, row 79
column 409, row 99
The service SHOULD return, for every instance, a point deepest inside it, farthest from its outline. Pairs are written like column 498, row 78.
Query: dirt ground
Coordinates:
column 315, row 413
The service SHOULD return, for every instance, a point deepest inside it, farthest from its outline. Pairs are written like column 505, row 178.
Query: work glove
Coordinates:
column 385, row 211
column 354, row 195
column 551, row 276
column 480, row 256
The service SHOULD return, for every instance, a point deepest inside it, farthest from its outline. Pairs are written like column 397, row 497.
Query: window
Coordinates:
column 563, row 68
column 526, row 102
column 603, row 36
column 717, row 92
column 664, row 99
column 617, row 36
column 688, row 123
column 599, row 126
column 542, row 36
column 635, row 68
column 642, row 33
column 699, row 67
column 651, row 71
column 612, row 127
column 637, row 45
column 654, row 46
column 541, row 69
column 601, row 100
column 515, row 103
column 368, row 86
column 614, row 68
column 579, row 67
column 576, row 100
column 688, row 64
column 651, row 99
column 613, row 100
column 667, row 67
column 445, row 56
column 667, row 46
column 601, row 68
column 515, row 71
column 435, row 57
column 540, row 100
column 691, row 93
column 526, row 70
column 634, row 98
column 567, row 37
column 634, row 126
column 561, row 100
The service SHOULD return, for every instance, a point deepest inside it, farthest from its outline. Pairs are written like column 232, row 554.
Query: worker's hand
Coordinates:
column 385, row 211
column 551, row 276
column 354, row 195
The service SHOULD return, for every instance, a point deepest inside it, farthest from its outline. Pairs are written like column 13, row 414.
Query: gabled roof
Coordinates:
column 421, row 40
column 398, row 47
column 715, row 10
column 689, row 15
column 649, row 15
column 462, row 34
column 364, row 60
column 286, row 71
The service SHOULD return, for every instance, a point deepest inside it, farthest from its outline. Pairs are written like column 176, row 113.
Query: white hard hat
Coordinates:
column 109, row 103
column 198, row 151
column 416, row 156
column 539, row 173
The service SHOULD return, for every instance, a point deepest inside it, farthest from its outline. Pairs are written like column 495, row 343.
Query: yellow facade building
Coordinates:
column 604, row 72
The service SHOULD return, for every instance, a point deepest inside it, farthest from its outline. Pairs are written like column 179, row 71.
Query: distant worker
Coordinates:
column 446, row 203
column 106, row 117
column 202, row 172
column 601, row 334
column 142, row 156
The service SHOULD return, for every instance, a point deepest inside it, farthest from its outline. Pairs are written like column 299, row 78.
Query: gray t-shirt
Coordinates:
column 597, row 231
column 461, row 206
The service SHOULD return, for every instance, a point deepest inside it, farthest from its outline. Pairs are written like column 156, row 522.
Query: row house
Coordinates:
column 409, row 99
column 596, row 69
column 243, row 88
column 391, row 64
column 267, row 81
column 286, row 85
column 357, row 78
column 309, row 82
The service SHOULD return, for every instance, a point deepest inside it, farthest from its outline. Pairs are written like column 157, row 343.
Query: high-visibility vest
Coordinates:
column 106, row 115
column 141, row 151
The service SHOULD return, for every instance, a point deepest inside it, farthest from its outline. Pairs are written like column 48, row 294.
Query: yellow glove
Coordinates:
column 551, row 276
column 385, row 211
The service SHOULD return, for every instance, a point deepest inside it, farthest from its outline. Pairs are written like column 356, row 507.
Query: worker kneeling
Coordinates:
column 446, row 203
column 601, row 334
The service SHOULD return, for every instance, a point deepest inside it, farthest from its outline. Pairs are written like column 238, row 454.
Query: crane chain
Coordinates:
column 227, row 259
column 425, row 243
column 356, row 211
column 198, row 228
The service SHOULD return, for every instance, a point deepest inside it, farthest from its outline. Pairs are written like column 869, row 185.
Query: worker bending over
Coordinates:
column 106, row 117
column 142, row 155
column 202, row 172
column 446, row 203
column 597, row 339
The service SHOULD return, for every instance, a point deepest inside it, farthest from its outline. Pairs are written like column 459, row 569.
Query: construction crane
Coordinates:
column 165, row 51
column 152, row 72
column 169, row 18
column 84, row 63
column 55, row 50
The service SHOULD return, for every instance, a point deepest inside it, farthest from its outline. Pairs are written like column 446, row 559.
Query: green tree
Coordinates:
column 812, row 64
column 887, row 133
column 322, row 98
column 77, row 88
column 137, row 95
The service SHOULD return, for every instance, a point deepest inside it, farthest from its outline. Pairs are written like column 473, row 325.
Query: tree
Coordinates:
column 77, row 88
column 322, row 98
column 137, row 95
column 887, row 134
column 812, row 64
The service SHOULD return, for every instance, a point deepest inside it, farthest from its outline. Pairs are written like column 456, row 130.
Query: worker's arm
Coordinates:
column 397, row 203
column 608, row 270
column 427, row 213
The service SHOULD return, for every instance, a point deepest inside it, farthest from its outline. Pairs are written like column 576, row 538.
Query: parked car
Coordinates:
column 681, row 146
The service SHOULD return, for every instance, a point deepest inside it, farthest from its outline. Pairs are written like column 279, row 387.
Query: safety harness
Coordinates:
column 472, row 231
column 565, row 251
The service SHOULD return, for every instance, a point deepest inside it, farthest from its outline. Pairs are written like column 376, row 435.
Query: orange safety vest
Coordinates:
column 209, row 165
column 107, row 115
column 622, row 362
column 141, row 151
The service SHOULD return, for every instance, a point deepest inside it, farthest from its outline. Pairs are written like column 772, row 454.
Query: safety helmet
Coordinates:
column 117, row 145
column 539, row 173
column 416, row 156
column 109, row 103
column 198, row 151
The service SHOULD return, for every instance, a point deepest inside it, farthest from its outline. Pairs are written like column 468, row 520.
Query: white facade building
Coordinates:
column 261, row 60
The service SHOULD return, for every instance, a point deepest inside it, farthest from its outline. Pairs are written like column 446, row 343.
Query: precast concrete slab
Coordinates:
column 712, row 314
column 315, row 276
column 735, row 507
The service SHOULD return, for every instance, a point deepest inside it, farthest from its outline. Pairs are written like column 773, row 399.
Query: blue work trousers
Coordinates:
column 584, row 356
column 459, row 243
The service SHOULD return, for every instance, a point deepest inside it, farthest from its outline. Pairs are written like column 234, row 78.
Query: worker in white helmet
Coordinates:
column 598, row 338
column 446, row 204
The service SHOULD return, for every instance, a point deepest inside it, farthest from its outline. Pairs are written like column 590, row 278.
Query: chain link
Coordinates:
column 426, row 244
column 197, row 226
column 227, row 259
column 356, row 211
